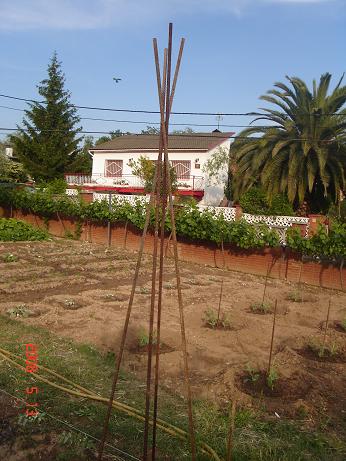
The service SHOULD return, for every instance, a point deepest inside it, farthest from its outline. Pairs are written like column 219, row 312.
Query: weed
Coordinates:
column 144, row 290
column 19, row 311
column 272, row 377
column 143, row 338
column 261, row 308
column 10, row 258
column 252, row 375
column 211, row 321
column 295, row 296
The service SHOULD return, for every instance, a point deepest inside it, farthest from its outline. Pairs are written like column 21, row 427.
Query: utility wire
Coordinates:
column 149, row 123
column 246, row 114
column 170, row 135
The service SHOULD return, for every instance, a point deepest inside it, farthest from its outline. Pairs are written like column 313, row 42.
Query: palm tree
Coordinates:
column 304, row 154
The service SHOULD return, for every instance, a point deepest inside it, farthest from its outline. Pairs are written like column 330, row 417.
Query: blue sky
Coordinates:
column 235, row 51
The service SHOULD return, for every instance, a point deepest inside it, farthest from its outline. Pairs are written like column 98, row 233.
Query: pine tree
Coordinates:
column 48, row 143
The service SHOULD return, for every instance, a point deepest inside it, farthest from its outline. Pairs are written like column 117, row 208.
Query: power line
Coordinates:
column 170, row 135
column 149, row 123
column 246, row 114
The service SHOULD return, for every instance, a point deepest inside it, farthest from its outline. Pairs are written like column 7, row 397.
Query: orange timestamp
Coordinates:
column 31, row 366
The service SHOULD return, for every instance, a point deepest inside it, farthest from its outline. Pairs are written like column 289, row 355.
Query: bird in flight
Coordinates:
column 117, row 80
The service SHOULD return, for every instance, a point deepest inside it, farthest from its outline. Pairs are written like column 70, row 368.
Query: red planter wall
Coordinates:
column 282, row 266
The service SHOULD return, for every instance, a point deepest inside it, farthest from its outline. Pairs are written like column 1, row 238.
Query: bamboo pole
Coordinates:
column 326, row 327
column 272, row 339
column 231, row 430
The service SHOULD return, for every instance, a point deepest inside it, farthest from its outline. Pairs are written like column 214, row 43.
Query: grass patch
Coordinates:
column 256, row 439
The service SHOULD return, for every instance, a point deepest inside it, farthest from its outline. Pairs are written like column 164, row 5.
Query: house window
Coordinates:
column 182, row 168
column 113, row 168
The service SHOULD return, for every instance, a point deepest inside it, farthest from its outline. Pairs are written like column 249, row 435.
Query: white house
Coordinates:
column 187, row 154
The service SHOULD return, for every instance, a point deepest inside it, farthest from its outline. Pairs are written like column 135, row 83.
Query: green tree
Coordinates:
column 48, row 143
column 304, row 155
column 144, row 168
column 112, row 135
column 83, row 161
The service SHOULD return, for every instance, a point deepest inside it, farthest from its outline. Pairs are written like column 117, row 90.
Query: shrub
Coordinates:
column 255, row 201
column 325, row 243
column 56, row 186
column 15, row 230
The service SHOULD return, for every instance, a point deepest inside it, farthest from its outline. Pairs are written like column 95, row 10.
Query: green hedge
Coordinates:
column 190, row 223
column 13, row 230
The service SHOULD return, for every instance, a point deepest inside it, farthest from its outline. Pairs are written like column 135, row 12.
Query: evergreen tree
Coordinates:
column 48, row 144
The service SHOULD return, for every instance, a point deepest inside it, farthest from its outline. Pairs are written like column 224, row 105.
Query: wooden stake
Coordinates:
column 326, row 327
column 272, row 340
column 220, row 300
column 231, row 430
column 266, row 283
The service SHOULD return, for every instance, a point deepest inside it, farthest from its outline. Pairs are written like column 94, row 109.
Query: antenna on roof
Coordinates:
column 218, row 118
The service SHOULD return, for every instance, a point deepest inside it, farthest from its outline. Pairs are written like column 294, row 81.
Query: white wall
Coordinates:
column 213, row 192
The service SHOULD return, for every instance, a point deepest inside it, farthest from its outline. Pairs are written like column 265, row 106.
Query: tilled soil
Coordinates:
column 81, row 291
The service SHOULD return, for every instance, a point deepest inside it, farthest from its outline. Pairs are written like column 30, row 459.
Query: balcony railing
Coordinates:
column 195, row 183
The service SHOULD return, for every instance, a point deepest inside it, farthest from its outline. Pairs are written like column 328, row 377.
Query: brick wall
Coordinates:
column 282, row 265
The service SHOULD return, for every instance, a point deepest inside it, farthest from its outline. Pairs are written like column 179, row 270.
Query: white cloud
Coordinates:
column 92, row 14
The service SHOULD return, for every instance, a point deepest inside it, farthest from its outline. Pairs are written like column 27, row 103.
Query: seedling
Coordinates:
column 211, row 319
column 143, row 338
column 272, row 377
column 10, row 258
column 19, row 311
column 24, row 420
column 71, row 304
column 295, row 296
column 343, row 324
column 144, row 290
column 252, row 375
column 324, row 350
column 261, row 308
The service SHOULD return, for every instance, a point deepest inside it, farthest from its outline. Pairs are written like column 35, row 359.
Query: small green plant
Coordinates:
column 15, row 231
column 252, row 375
column 143, row 338
column 10, row 258
column 210, row 319
column 19, row 311
column 343, row 324
column 73, row 439
column 70, row 304
column 295, row 296
column 272, row 378
column 68, row 234
column 329, row 349
column 24, row 420
column 261, row 308
column 144, row 290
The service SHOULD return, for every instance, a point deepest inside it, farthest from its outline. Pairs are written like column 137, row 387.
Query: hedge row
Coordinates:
column 190, row 223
